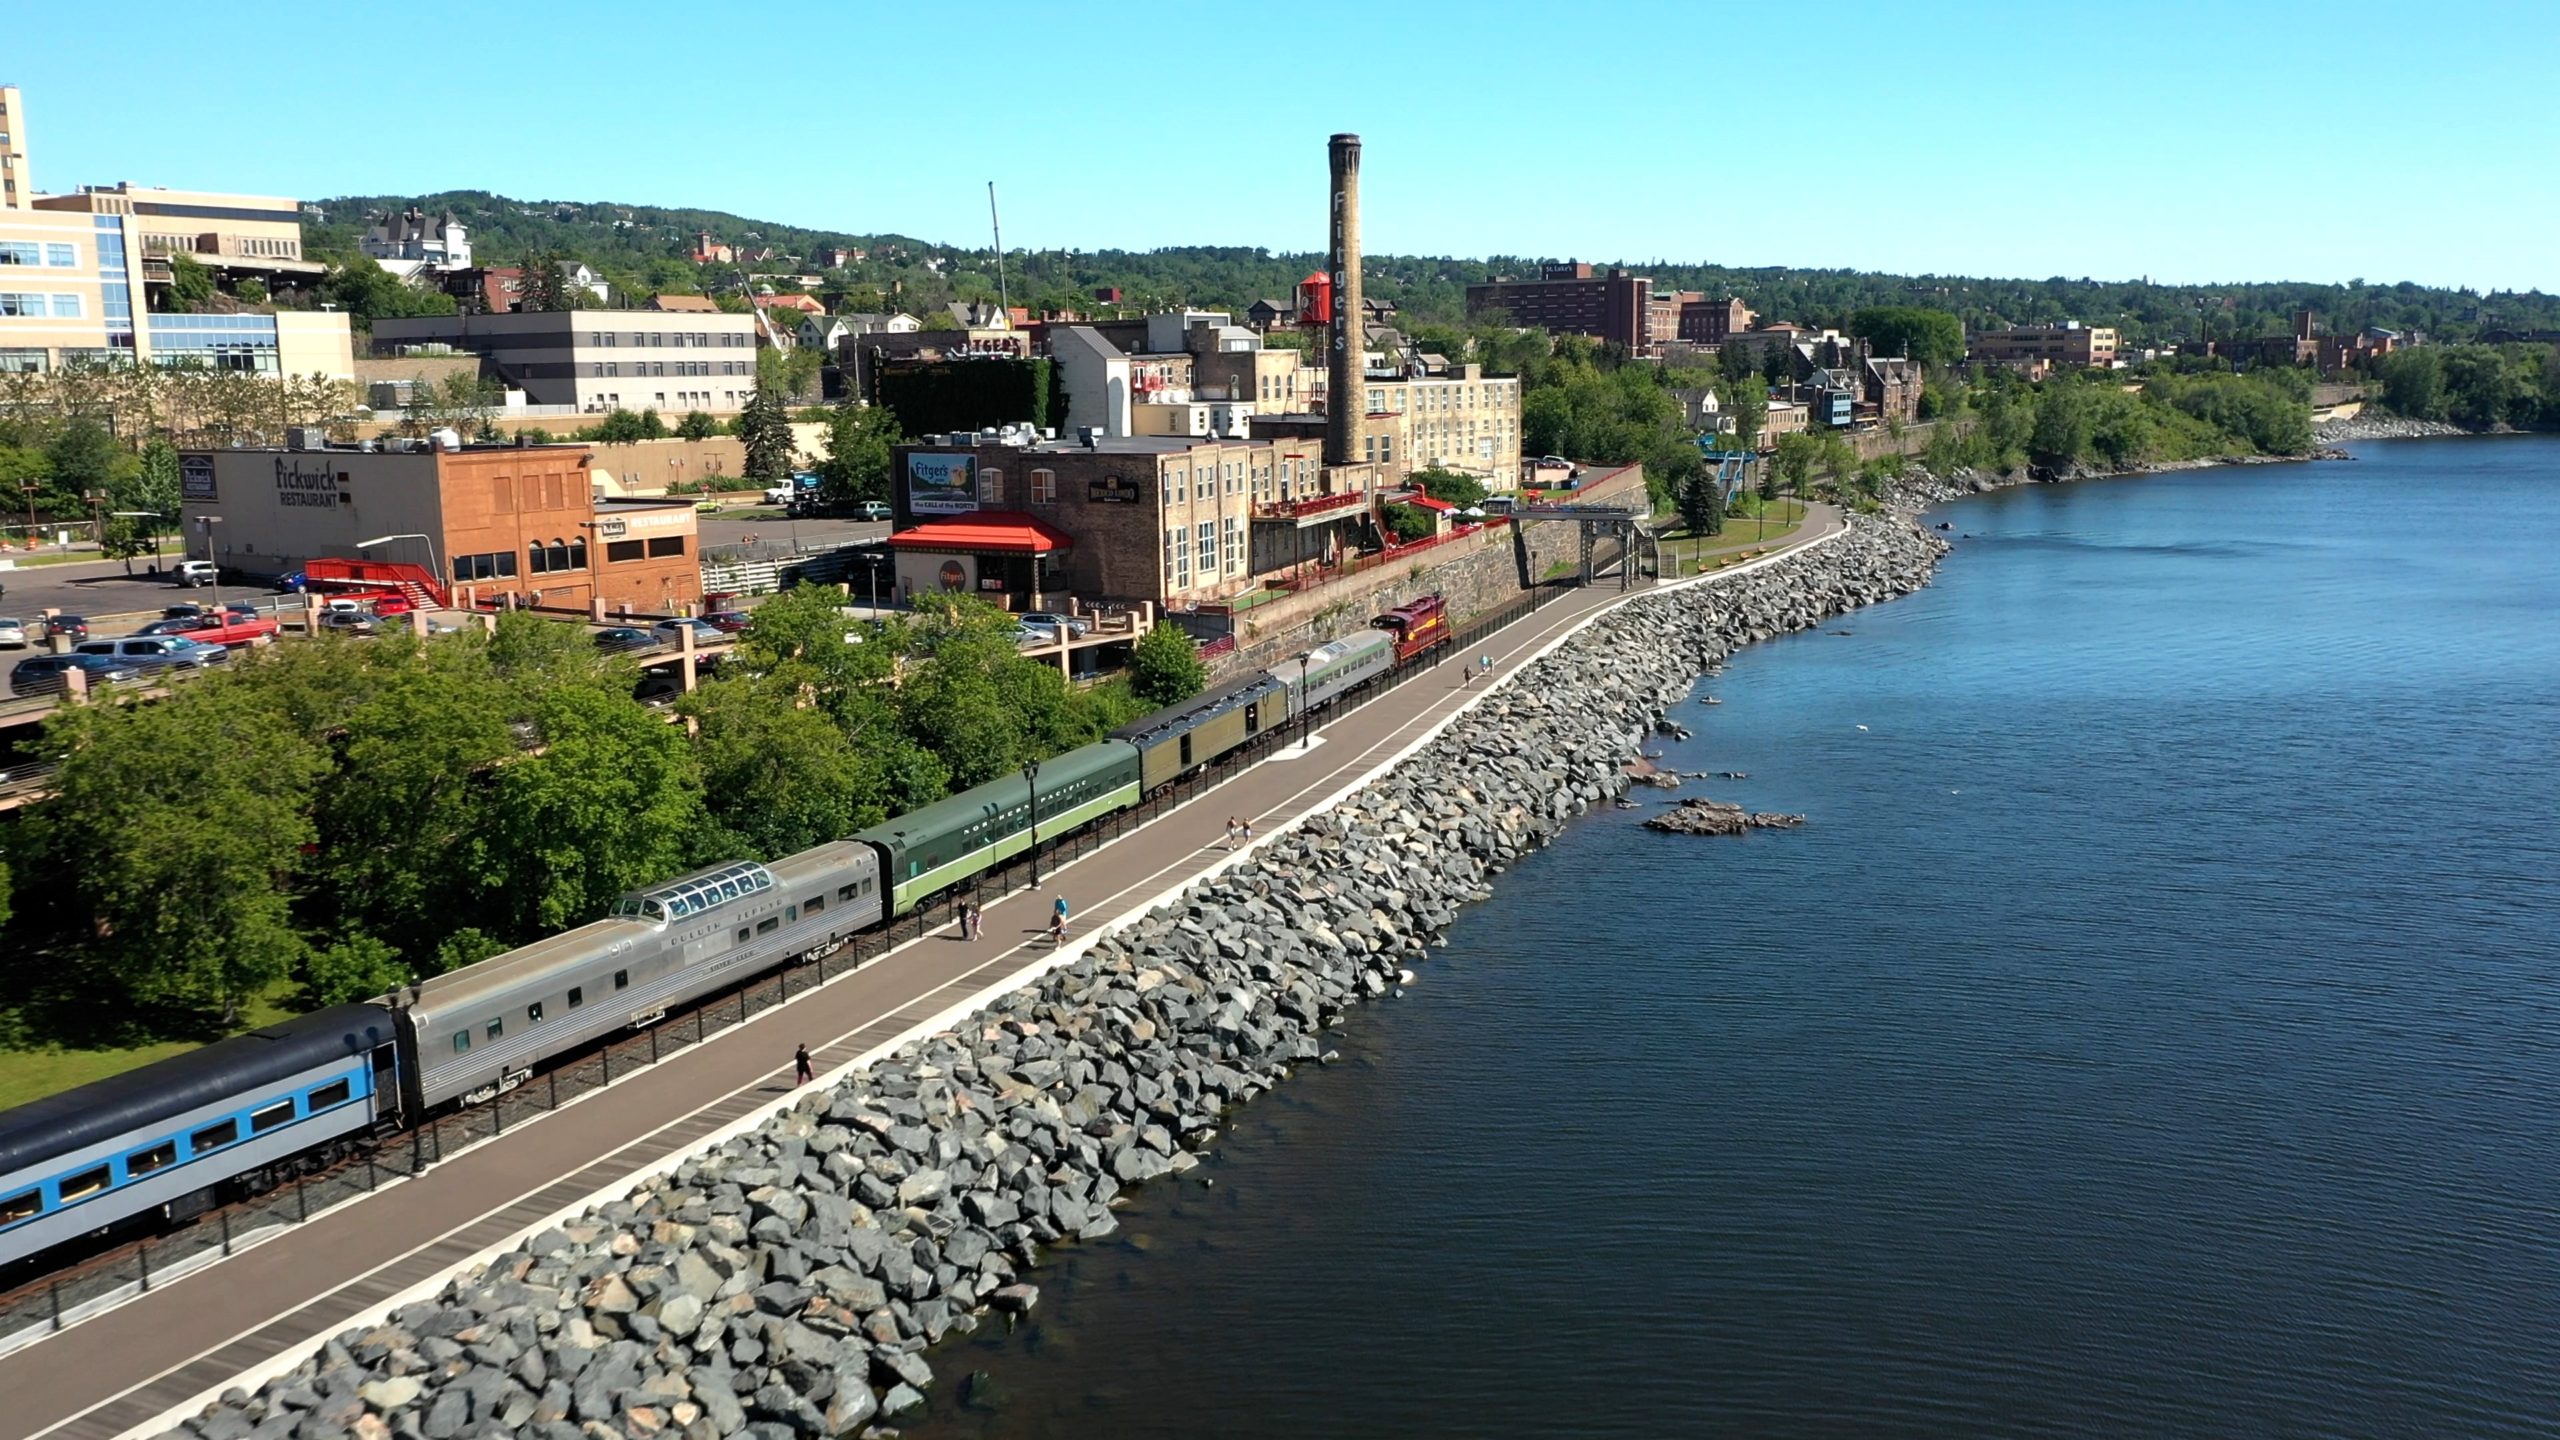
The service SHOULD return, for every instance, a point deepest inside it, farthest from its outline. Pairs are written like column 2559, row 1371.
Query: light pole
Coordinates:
column 1031, row 777
column 206, row 523
column 31, row 487
column 434, row 574
column 1306, row 707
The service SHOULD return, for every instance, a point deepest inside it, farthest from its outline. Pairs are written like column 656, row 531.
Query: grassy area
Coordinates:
column 36, row 1071
column 1682, row 553
column 53, row 557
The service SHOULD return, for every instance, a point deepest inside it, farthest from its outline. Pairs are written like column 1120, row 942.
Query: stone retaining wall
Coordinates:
column 787, row 1282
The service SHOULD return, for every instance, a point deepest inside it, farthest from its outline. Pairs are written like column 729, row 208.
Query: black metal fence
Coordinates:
column 53, row 1301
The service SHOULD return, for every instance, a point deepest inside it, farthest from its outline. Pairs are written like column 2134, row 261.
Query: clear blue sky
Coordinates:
column 2194, row 142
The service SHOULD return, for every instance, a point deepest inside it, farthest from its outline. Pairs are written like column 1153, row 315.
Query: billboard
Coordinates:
column 942, row 484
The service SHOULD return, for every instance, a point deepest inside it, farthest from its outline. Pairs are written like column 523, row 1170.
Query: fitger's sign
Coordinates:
column 301, row 481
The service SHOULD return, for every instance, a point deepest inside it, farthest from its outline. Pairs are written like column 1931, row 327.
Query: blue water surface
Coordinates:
column 2153, row 1032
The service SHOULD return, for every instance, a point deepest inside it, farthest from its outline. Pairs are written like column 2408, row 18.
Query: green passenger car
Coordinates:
column 1187, row 736
column 927, row 851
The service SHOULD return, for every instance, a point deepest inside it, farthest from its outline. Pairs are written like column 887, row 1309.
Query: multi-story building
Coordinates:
column 1461, row 419
column 599, row 360
column 519, row 521
column 2067, row 344
column 1892, row 388
column 1173, row 374
column 1573, row 299
column 1707, row 322
column 1027, row 519
column 77, row 272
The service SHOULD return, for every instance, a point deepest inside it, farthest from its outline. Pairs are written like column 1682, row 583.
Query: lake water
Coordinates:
column 2155, row 1031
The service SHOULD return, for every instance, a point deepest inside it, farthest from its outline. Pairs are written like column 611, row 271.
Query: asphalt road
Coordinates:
column 771, row 527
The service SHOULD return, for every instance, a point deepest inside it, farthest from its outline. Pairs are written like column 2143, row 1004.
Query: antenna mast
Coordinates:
column 996, row 223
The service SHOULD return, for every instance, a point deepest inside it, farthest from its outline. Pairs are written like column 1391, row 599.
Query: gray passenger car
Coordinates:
column 485, row 1027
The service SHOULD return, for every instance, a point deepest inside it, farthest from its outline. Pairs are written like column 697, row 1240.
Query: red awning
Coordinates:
column 1427, row 503
column 1008, row 532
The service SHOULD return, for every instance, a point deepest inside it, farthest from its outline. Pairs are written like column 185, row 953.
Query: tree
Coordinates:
column 1165, row 667
column 190, row 286
column 178, row 874
column 779, row 776
column 696, row 426
column 1778, row 366
column 613, row 801
column 1932, row 338
column 1408, row 523
column 2064, row 424
column 765, row 427
column 1733, row 362
column 350, row 969
column 857, row 464
column 1702, row 504
column 1451, row 486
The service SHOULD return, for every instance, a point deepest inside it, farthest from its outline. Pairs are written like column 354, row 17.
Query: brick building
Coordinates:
column 2067, row 344
column 1707, row 322
column 495, row 520
column 1172, row 519
column 1573, row 299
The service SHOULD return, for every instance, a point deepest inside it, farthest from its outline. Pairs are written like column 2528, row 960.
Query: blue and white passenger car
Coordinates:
column 163, row 1137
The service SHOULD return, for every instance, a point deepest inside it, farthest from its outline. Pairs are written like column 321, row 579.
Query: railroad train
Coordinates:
column 171, row 1139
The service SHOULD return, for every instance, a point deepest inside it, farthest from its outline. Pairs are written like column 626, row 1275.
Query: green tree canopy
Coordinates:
column 765, row 428
column 1165, row 667
column 857, row 464
column 1933, row 338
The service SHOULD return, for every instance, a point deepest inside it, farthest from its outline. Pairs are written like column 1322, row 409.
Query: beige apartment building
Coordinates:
column 2071, row 343
column 599, row 360
column 77, row 271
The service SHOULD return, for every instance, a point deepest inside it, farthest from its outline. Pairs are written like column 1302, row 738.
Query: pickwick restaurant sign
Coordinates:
column 1114, row 490
column 303, row 482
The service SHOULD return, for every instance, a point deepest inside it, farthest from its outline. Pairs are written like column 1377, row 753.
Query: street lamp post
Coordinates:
column 1031, row 777
column 206, row 523
column 1306, row 708
column 31, row 487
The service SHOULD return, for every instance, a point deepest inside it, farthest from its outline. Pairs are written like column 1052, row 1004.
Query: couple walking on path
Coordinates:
column 1238, row 831
column 973, row 920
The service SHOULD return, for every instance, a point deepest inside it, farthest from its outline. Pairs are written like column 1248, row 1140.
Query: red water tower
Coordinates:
column 1315, row 301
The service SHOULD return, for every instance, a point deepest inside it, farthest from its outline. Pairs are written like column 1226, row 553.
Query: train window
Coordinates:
column 1186, row 749
column 336, row 1092
column 21, row 1207
column 158, row 1157
column 866, row 884
column 577, row 996
column 262, row 1121
column 497, row 1028
column 1253, row 718
column 791, row 912
column 86, row 1183
column 214, row 1137
column 769, row 922
column 847, row 892
column 621, row 979
column 533, row 1013
column 461, row 1041
column 814, row 904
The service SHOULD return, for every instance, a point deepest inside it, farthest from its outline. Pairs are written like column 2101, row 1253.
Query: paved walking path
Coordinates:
column 260, row 1310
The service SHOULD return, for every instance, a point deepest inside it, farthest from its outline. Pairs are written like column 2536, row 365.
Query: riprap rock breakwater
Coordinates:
column 785, row 1283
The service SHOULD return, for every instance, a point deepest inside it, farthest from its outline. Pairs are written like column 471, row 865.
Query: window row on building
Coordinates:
column 1182, row 543
column 32, row 252
column 612, row 369
column 663, row 340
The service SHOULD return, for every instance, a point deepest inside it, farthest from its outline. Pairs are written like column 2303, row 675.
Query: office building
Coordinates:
column 1574, row 299
column 2067, row 344
column 599, row 360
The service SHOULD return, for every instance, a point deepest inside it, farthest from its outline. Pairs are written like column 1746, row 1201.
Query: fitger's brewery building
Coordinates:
column 500, row 520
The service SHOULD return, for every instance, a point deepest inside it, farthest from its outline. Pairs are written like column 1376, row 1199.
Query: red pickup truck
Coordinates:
column 234, row 630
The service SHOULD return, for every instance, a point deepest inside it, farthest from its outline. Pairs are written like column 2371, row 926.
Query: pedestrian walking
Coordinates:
column 1057, row 930
column 1487, row 663
column 1231, row 832
column 1058, row 916
column 973, row 919
column 1244, row 827
column 801, row 1068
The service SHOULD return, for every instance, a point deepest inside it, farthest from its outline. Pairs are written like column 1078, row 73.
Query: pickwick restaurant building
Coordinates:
column 496, row 523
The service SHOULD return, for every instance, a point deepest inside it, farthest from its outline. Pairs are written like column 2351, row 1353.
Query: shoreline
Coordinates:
column 837, row 1241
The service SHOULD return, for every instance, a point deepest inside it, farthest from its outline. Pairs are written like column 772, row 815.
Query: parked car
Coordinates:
column 623, row 637
column 727, row 622
column 873, row 509
column 671, row 632
column 13, row 634
column 392, row 602
column 181, row 612
column 348, row 622
column 156, row 652
column 74, row 626
column 291, row 584
column 239, row 609
column 341, row 605
column 777, row 495
column 196, row 572
column 42, row 674
column 1045, row 621
column 657, row 689
column 180, row 625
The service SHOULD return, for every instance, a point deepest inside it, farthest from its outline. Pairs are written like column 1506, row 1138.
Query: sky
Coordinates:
column 2185, row 142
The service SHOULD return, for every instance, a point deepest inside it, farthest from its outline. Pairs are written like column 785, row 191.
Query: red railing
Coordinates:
column 1312, row 505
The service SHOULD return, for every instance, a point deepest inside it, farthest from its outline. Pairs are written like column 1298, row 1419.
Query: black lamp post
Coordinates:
column 1306, row 707
column 1031, row 777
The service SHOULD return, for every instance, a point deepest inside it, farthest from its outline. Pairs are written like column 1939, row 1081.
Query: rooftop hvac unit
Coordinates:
column 445, row 438
column 306, row 437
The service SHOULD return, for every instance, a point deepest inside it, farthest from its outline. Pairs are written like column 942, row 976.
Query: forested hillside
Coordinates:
column 645, row 249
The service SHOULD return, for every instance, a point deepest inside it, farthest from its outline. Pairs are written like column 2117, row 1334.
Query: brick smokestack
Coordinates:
column 1347, row 341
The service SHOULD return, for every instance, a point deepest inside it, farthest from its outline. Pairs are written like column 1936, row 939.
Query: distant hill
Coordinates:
column 645, row 249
